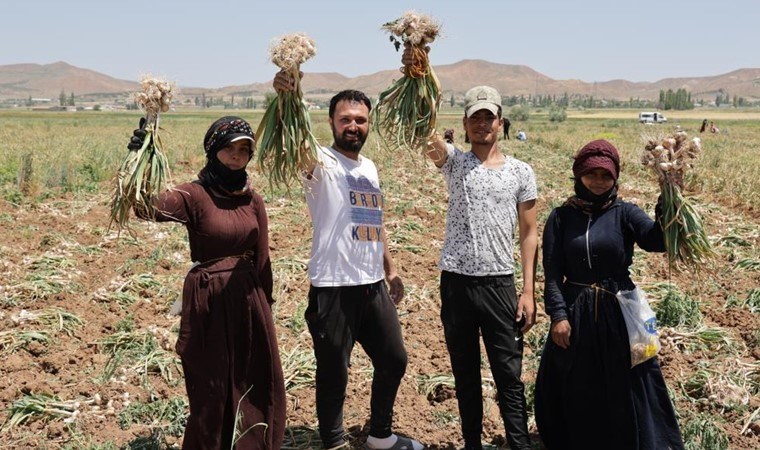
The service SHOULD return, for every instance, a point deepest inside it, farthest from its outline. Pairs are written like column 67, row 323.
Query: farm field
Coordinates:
column 86, row 342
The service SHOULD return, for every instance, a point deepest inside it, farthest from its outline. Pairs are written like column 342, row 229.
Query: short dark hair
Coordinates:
column 350, row 95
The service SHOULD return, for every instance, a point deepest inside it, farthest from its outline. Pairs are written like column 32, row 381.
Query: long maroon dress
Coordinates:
column 227, row 339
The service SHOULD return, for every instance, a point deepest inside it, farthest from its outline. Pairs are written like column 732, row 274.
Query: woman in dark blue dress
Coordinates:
column 587, row 394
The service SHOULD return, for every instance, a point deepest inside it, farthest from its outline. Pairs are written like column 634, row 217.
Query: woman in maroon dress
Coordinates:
column 227, row 339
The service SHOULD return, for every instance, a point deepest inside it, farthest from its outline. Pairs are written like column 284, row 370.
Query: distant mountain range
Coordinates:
column 21, row 81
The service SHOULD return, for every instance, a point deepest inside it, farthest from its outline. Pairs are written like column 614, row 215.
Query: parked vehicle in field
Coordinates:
column 652, row 117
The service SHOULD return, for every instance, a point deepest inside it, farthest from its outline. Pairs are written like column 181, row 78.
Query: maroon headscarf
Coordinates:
column 598, row 154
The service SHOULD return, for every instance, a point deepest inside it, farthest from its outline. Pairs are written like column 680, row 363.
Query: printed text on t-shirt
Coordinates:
column 366, row 209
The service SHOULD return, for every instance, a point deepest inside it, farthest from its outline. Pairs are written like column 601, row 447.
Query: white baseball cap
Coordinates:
column 482, row 97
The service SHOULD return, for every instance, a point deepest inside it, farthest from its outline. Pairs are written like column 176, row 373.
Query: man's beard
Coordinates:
column 349, row 145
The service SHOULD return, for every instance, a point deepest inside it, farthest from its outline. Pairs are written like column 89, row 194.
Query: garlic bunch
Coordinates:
column 292, row 50
column 155, row 95
column 414, row 28
column 686, row 241
column 670, row 156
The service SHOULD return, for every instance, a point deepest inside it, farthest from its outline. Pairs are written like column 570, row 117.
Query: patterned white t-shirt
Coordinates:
column 346, row 208
column 482, row 213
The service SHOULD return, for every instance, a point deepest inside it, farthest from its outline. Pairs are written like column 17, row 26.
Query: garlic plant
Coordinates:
column 145, row 171
column 288, row 52
column 285, row 141
column 156, row 95
column 406, row 111
column 685, row 237
column 671, row 156
column 414, row 28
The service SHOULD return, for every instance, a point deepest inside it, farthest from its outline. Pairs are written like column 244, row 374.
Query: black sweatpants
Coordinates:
column 338, row 317
column 471, row 306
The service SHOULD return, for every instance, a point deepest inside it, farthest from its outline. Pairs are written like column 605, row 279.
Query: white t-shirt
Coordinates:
column 346, row 208
column 482, row 213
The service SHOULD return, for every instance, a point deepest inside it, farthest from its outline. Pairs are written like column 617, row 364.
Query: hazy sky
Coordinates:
column 225, row 42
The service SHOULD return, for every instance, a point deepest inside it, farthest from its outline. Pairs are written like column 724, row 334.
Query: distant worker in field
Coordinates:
column 703, row 127
column 448, row 135
column 713, row 128
column 226, row 299
column 477, row 287
column 349, row 301
column 521, row 136
column 507, row 124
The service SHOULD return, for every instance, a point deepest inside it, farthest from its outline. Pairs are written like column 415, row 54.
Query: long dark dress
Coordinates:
column 588, row 396
column 227, row 339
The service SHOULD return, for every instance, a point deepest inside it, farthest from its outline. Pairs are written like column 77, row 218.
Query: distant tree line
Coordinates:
column 228, row 102
column 723, row 98
column 574, row 101
column 679, row 100
column 66, row 101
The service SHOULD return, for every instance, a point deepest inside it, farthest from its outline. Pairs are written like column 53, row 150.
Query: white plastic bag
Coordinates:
column 641, row 323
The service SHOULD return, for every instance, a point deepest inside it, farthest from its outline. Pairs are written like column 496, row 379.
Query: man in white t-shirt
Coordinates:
column 349, row 266
column 489, row 193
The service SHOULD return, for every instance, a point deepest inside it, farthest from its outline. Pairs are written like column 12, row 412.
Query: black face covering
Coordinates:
column 217, row 174
column 584, row 194
column 220, row 134
column 590, row 202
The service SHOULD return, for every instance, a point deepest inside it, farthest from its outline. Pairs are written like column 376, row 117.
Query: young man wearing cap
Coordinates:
column 489, row 193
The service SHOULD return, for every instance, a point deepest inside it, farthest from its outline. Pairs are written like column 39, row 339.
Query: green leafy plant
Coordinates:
column 163, row 417
column 47, row 275
column 751, row 301
column 748, row 264
column 701, row 339
column 678, row 310
column 12, row 340
column 138, row 352
column 701, row 432
column 44, row 407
